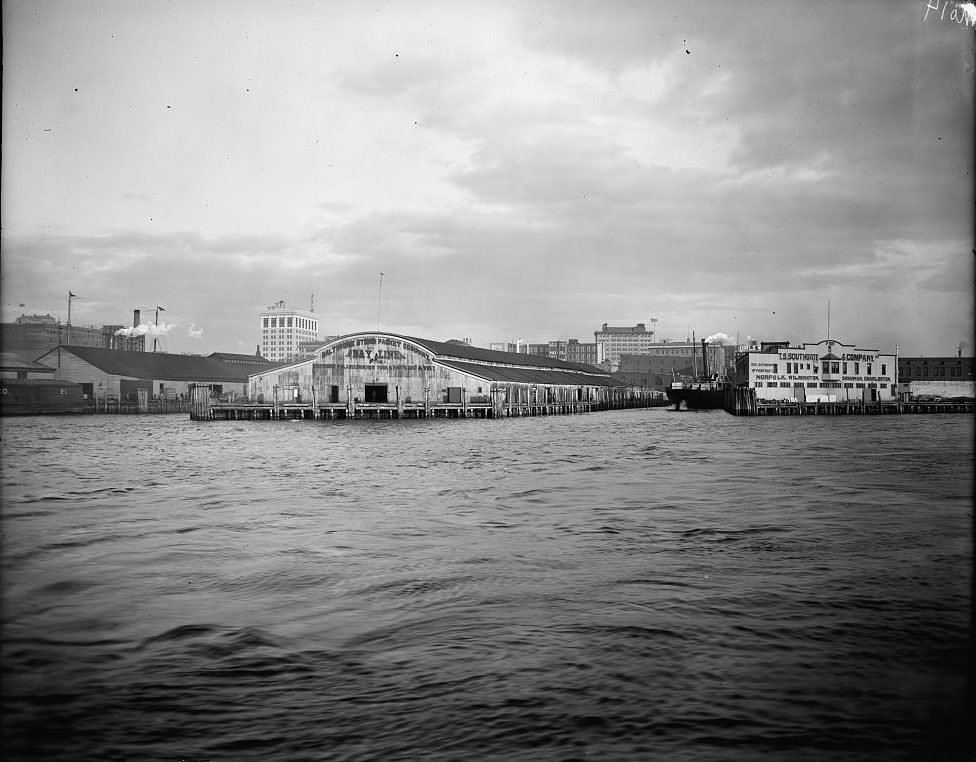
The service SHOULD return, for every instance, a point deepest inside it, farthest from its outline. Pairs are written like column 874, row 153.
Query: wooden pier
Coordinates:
column 212, row 410
column 744, row 402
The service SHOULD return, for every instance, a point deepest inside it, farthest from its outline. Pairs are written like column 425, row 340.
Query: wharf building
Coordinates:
column 389, row 372
column 114, row 380
column 937, row 377
column 828, row 371
column 286, row 332
column 14, row 366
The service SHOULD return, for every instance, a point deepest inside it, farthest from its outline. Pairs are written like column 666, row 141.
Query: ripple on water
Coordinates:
column 626, row 585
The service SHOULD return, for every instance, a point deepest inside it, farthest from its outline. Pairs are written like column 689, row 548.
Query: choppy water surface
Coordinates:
column 626, row 585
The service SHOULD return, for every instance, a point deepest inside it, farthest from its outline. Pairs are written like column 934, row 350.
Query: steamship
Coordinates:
column 700, row 392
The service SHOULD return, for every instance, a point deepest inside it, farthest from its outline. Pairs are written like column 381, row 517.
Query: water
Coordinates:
column 623, row 585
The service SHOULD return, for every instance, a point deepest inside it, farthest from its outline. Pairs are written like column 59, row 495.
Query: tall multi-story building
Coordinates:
column 613, row 341
column 284, row 328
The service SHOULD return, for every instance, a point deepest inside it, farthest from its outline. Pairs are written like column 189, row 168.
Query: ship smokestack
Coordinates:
column 704, row 359
column 135, row 318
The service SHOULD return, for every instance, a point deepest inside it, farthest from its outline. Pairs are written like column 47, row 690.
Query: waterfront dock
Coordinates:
column 215, row 410
column 744, row 402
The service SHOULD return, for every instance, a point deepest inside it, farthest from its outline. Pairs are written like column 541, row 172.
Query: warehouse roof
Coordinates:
column 489, row 364
column 530, row 375
column 154, row 365
column 11, row 361
column 463, row 352
column 238, row 357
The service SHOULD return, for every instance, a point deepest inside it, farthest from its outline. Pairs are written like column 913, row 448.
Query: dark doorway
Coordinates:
column 88, row 391
column 454, row 394
column 333, row 394
column 376, row 393
column 129, row 389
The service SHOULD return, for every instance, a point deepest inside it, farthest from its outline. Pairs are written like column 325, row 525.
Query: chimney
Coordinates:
column 135, row 318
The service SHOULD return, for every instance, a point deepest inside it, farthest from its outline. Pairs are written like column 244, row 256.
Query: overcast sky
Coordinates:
column 515, row 169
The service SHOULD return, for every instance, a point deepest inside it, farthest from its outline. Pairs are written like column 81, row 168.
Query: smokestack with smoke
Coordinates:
column 135, row 318
column 146, row 328
column 720, row 338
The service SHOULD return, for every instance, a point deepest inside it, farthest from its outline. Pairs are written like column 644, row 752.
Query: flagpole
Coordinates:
column 70, row 297
column 156, row 335
column 379, row 302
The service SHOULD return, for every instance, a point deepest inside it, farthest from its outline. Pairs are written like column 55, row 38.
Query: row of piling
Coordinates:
column 743, row 401
column 212, row 410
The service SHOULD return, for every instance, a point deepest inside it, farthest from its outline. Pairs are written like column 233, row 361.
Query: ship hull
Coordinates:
column 697, row 399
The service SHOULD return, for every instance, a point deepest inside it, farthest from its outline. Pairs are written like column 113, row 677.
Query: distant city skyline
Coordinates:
column 512, row 169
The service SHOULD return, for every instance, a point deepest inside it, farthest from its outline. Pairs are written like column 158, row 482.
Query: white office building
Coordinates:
column 284, row 328
column 828, row 371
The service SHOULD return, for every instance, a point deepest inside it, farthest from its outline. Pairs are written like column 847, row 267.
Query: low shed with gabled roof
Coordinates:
column 116, row 374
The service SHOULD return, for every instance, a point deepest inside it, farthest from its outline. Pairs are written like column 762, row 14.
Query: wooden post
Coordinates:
column 199, row 403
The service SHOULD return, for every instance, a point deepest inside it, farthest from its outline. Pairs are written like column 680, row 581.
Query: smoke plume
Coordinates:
column 147, row 329
column 720, row 338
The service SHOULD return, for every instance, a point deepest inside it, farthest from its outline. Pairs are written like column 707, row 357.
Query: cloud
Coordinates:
column 514, row 169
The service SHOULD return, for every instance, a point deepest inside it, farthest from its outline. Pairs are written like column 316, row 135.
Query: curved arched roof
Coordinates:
column 489, row 364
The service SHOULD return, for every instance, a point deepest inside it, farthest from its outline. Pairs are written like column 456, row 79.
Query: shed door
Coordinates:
column 376, row 393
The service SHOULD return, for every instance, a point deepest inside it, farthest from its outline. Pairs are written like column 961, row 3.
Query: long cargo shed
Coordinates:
column 113, row 377
column 380, row 374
